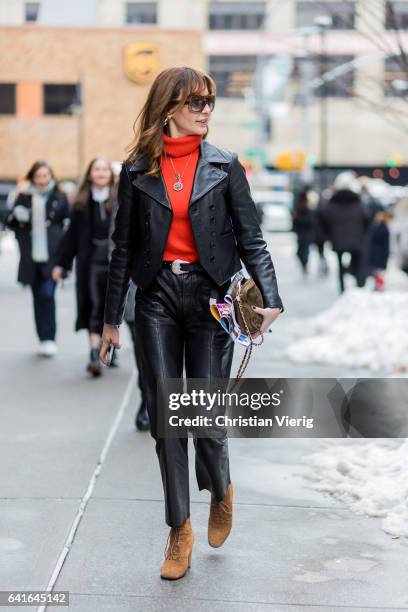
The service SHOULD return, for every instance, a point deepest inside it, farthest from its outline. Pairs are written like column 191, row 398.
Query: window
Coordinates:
column 7, row 99
column 307, row 69
column 232, row 74
column 236, row 15
column 31, row 11
column 61, row 99
column 396, row 16
column 342, row 14
column 141, row 12
column 395, row 77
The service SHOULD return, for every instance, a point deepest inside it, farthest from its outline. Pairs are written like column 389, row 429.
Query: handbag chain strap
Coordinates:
column 248, row 350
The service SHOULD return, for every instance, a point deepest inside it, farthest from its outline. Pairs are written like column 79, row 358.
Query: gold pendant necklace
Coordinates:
column 178, row 185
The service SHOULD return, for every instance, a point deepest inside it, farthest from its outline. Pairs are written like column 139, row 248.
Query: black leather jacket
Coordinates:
column 224, row 222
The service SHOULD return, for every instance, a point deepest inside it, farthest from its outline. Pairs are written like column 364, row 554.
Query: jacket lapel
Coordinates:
column 154, row 187
column 206, row 178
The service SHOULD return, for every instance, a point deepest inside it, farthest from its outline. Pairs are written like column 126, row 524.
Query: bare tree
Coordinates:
column 381, row 27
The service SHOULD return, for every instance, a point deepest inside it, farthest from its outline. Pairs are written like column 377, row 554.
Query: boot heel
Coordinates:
column 189, row 558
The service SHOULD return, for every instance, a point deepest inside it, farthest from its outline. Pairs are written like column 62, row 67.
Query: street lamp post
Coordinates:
column 323, row 23
column 263, row 117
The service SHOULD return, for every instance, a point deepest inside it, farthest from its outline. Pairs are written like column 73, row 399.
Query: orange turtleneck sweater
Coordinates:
column 180, row 242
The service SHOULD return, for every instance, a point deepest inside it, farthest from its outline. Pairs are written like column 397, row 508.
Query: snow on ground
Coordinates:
column 362, row 328
column 370, row 476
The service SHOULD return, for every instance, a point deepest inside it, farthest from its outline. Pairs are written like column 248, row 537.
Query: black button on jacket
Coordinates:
column 223, row 218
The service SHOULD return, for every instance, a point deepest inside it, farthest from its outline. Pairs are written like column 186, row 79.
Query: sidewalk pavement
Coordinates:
column 74, row 468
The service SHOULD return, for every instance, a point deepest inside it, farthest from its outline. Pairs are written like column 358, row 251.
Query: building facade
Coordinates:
column 69, row 94
column 267, row 58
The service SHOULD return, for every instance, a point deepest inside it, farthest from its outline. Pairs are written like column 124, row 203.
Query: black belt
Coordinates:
column 177, row 267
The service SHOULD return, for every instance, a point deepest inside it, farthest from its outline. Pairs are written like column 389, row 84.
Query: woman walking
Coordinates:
column 346, row 221
column 38, row 219
column 378, row 248
column 87, row 240
column 304, row 226
column 185, row 217
column 142, row 422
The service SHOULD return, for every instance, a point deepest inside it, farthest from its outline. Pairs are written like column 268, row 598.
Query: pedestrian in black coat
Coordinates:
column 87, row 240
column 304, row 226
column 38, row 218
column 378, row 250
column 142, row 421
column 346, row 222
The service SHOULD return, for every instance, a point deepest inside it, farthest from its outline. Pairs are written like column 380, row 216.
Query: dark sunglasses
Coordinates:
column 197, row 104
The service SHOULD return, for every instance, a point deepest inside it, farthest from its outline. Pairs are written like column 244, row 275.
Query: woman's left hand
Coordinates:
column 269, row 315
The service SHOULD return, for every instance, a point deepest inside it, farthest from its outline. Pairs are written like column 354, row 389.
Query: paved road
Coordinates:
column 81, row 500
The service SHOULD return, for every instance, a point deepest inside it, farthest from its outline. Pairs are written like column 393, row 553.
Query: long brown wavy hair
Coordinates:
column 36, row 166
column 169, row 92
column 84, row 189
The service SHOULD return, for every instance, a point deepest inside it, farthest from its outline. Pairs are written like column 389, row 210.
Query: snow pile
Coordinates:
column 369, row 476
column 362, row 329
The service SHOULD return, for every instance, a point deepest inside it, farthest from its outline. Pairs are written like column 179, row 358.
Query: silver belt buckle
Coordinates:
column 175, row 266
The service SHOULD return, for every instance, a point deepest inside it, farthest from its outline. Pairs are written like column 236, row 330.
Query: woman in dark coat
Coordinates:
column 378, row 248
column 185, row 219
column 87, row 239
column 346, row 222
column 38, row 218
column 304, row 226
column 142, row 421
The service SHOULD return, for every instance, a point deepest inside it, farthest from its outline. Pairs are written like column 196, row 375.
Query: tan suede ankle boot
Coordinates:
column 220, row 519
column 178, row 551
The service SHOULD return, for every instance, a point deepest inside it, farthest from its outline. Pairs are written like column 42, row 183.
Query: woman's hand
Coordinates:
column 269, row 315
column 110, row 335
column 56, row 273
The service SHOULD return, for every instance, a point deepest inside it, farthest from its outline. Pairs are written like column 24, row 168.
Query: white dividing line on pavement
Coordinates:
column 88, row 494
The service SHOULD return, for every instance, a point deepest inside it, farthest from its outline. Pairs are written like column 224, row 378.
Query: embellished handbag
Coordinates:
column 245, row 295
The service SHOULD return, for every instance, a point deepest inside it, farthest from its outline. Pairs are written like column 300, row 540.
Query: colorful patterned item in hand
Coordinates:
column 224, row 313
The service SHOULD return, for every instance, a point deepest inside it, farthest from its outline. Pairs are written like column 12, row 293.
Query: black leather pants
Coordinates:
column 173, row 324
